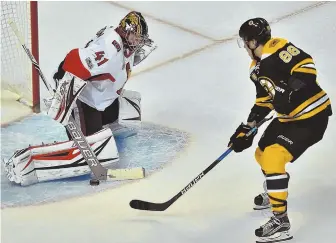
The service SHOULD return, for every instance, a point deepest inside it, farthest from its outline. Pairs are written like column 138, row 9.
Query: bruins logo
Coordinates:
column 268, row 85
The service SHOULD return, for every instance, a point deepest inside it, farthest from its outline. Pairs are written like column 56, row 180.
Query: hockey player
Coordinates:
column 285, row 80
column 89, row 86
column 98, row 73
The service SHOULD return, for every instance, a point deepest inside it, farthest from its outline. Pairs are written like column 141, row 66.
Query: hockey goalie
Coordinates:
column 89, row 87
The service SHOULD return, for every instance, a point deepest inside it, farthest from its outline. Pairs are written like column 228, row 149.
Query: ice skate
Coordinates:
column 275, row 230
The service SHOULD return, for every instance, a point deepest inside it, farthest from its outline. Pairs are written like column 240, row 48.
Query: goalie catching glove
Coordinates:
column 239, row 141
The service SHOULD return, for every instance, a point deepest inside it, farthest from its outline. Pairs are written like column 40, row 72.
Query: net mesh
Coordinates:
column 16, row 68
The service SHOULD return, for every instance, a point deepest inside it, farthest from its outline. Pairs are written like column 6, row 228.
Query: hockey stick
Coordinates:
column 99, row 172
column 29, row 54
column 150, row 206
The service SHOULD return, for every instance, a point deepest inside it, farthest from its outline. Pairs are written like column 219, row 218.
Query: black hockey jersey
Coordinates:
column 285, row 80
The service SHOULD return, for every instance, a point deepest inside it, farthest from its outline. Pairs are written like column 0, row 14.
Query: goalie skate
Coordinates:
column 275, row 230
column 67, row 92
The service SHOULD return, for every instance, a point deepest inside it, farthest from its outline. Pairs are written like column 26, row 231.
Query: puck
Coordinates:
column 94, row 182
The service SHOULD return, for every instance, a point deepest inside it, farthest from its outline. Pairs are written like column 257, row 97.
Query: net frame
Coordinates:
column 28, row 26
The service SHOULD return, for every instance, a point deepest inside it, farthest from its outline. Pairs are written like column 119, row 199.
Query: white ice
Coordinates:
column 206, row 93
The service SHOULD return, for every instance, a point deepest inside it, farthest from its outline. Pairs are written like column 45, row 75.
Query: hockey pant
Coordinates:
column 123, row 115
column 282, row 143
column 59, row 160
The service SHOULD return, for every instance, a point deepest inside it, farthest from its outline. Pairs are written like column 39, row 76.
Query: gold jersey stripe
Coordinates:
column 304, row 61
column 261, row 99
column 306, row 70
column 308, row 102
column 264, row 102
column 269, row 105
column 308, row 114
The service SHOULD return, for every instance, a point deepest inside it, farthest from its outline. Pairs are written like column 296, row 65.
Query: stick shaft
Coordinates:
column 143, row 205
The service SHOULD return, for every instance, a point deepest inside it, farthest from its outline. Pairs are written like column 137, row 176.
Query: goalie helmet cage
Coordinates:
column 18, row 75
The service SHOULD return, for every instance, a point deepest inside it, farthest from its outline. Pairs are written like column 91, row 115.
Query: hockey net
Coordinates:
column 19, row 79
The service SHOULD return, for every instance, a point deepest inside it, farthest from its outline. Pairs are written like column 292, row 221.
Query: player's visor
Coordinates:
column 241, row 42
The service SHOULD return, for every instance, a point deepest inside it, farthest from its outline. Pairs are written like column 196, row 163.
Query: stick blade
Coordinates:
column 126, row 174
column 149, row 206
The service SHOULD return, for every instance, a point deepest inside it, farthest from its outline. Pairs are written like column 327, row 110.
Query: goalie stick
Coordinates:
column 150, row 206
column 99, row 172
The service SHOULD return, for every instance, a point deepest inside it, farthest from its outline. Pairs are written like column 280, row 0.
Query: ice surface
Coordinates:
column 206, row 94
column 164, row 144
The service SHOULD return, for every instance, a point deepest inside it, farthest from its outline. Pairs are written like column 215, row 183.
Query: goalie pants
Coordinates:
column 284, row 142
column 92, row 120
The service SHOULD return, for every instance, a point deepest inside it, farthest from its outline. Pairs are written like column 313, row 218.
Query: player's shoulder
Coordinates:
column 272, row 46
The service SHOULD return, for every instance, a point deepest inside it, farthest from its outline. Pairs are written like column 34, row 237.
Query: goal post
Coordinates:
column 20, row 85
column 35, row 51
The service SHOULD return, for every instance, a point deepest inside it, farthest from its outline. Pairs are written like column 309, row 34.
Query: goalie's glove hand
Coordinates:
column 59, row 74
column 239, row 141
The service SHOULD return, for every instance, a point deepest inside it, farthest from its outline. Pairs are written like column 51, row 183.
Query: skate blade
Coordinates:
column 277, row 237
column 261, row 207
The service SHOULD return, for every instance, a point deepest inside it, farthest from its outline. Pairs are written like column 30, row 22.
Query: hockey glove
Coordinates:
column 239, row 141
column 59, row 74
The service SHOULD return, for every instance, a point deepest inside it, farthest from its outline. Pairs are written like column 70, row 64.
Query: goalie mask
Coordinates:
column 134, row 31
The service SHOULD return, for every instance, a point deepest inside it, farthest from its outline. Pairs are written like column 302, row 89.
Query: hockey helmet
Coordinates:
column 254, row 29
column 134, row 23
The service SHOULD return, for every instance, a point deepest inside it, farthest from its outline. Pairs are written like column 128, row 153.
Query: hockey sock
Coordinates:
column 277, row 189
column 273, row 161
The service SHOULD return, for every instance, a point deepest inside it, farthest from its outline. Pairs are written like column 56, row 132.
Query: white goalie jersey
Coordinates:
column 104, row 63
column 95, row 75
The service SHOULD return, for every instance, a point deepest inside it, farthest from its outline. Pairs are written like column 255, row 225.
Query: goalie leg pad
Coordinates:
column 59, row 160
column 130, row 108
column 68, row 90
